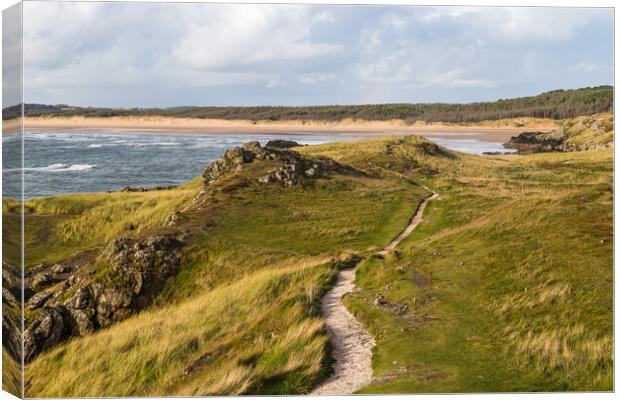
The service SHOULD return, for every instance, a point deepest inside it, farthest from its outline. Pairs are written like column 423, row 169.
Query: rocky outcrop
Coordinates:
column 290, row 166
column 578, row 134
column 11, row 324
column 232, row 160
column 129, row 274
column 11, row 279
column 282, row 144
column 536, row 142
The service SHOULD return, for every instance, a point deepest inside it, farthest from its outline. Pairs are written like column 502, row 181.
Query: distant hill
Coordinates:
column 557, row 104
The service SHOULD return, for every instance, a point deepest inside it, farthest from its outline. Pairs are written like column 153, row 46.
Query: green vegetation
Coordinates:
column 508, row 280
column 11, row 374
column 516, row 288
column 557, row 104
column 589, row 130
column 258, row 334
column 57, row 227
column 574, row 134
column 242, row 314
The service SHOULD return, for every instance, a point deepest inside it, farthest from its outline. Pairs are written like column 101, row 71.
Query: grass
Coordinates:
column 516, row 258
column 250, row 349
column 11, row 375
column 595, row 129
column 256, row 262
column 274, row 225
column 519, row 257
column 56, row 227
column 11, row 231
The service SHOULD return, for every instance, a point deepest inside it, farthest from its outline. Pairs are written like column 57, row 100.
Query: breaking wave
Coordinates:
column 61, row 168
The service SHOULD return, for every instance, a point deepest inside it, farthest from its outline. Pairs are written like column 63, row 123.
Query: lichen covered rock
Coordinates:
column 129, row 274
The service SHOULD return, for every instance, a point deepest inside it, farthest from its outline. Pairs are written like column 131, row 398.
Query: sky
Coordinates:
column 175, row 54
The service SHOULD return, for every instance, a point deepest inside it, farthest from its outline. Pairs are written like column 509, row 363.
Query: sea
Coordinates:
column 80, row 162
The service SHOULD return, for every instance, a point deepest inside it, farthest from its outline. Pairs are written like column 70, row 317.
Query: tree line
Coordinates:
column 557, row 104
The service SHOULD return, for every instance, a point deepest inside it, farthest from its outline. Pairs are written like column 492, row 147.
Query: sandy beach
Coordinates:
column 495, row 131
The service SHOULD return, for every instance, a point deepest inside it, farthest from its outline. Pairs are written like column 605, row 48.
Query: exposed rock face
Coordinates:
column 231, row 160
column 38, row 300
column 11, row 295
column 11, row 336
column 11, row 279
column 134, row 272
column 282, row 144
column 45, row 331
column 144, row 265
column 291, row 167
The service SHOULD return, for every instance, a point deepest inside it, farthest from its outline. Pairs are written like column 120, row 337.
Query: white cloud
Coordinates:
column 232, row 53
column 93, row 44
column 242, row 35
column 314, row 78
column 521, row 24
column 456, row 78
column 275, row 83
column 395, row 21
column 584, row 67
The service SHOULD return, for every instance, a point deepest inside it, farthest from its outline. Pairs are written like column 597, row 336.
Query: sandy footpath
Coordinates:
column 497, row 131
column 352, row 344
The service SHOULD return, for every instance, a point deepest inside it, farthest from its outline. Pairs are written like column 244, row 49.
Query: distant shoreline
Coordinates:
column 495, row 131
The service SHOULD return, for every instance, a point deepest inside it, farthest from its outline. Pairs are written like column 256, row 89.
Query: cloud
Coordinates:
column 584, row 67
column 314, row 78
column 94, row 44
column 250, row 35
column 515, row 24
column 275, row 82
column 141, row 54
column 11, row 56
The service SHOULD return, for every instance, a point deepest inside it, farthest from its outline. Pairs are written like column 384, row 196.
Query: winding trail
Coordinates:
column 352, row 344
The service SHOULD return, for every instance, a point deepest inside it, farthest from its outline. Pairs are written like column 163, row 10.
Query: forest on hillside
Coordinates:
column 557, row 104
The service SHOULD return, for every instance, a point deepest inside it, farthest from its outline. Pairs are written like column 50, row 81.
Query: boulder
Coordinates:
column 282, row 144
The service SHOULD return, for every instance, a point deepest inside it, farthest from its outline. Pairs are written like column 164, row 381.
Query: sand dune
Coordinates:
column 500, row 130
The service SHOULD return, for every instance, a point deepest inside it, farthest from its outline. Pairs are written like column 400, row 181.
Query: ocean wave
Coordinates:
column 61, row 168
column 155, row 144
column 94, row 146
